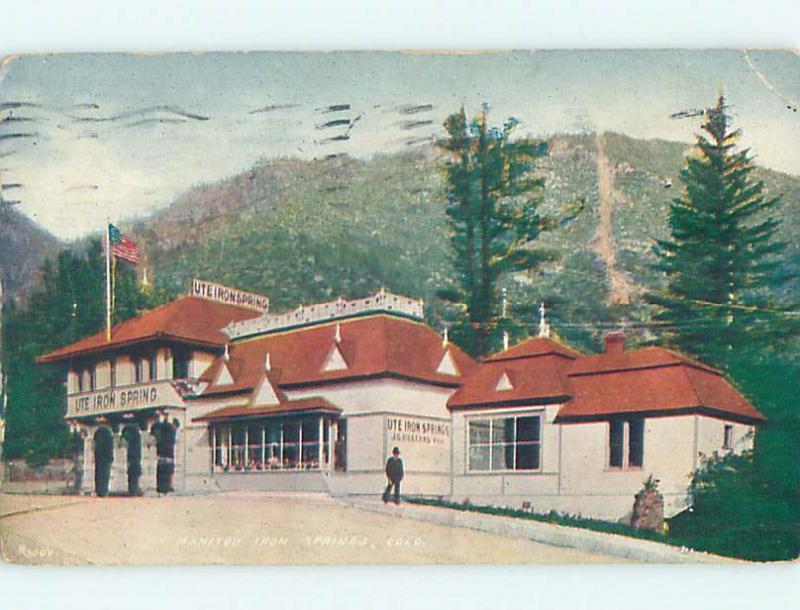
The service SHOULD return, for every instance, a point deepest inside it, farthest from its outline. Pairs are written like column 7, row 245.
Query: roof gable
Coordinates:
column 223, row 376
column 504, row 383
column 447, row 366
column 265, row 393
column 334, row 361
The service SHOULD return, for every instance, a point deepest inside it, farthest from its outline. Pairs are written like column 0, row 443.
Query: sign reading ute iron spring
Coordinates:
column 229, row 296
column 128, row 398
column 415, row 430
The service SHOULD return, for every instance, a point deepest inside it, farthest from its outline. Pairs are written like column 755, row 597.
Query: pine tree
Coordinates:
column 493, row 196
column 722, row 258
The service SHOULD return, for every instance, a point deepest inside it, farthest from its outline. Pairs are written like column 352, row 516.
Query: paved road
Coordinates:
column 238, row 528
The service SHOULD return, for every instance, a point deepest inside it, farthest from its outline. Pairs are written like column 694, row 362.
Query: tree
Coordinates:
column 494, row 197
column 68, row 305
column 722, row 259
column 721, row 264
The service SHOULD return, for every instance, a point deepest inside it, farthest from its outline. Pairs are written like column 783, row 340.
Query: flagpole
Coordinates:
column 108, row 284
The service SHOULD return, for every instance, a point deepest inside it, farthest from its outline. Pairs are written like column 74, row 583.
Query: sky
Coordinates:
column 86, row 138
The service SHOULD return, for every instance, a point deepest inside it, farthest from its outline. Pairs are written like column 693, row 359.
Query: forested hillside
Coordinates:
column 302, row 231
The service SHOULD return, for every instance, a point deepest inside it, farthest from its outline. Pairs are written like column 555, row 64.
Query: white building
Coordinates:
column 211, row 392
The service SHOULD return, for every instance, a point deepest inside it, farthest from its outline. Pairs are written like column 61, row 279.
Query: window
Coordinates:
column 153, row 366
column 138, row 370
column 79, row 375
column 504, row 443
column 622, row 434
column 616, row 443
column 112, row 372
column 727, row 440
column 636, row 442
column 92, row 378
column 273, row 444
column 180, row 363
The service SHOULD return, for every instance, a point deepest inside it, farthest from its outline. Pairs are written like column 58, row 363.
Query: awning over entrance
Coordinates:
column 289, row 407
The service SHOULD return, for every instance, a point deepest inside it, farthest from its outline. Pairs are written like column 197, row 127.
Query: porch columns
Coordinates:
column 321, row 438
column 213, row 449
column 330, row 444
column 87, row 479
column 230, row 452
column 246, row 447
column 264, row 447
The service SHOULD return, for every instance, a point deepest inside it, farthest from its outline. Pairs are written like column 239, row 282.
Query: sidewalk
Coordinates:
column 632, row 549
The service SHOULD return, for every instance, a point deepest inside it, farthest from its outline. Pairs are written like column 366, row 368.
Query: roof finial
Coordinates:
column 445, row 338
column 267, row 363
column 227, row 354
column 544, row 326
column 505, row 340
column 145, row 281
column 337, row 333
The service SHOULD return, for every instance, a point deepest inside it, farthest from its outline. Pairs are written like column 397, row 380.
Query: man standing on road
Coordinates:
column 394, row 472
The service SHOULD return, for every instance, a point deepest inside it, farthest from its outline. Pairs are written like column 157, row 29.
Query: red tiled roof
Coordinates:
column 190, row 319
column 536, row 346
column 372, row 346
column 535, row 367
column 661, row 388
column 651, row 380
column 647, row 357
column 290, row 407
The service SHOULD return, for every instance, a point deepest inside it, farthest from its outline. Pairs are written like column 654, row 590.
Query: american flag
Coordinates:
column 121, row 246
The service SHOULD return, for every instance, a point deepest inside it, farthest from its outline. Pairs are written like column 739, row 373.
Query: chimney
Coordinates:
column 615, row 342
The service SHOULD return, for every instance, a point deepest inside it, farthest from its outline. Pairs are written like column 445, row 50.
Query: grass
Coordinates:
column 556, row 518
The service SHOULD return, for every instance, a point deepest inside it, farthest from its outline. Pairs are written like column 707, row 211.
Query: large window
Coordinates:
column 274, row 444
column 626, row 434
column 504, row 443
column 112, row 372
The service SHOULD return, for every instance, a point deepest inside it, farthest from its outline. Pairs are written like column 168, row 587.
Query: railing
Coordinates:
column 319, row 312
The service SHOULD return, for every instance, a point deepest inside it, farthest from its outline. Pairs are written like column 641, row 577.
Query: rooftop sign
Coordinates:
column 321, row 312
column 229, row 296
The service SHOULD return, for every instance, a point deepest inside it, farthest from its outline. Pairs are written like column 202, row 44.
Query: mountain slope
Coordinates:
column 303, row 231
column 23, row 248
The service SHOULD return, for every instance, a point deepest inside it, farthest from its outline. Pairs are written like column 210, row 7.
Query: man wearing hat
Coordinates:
column 394, row 472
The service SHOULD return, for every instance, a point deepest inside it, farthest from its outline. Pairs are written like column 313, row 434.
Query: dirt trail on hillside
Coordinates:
column 603, row 241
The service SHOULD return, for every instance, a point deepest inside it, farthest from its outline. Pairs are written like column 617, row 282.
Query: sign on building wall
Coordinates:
column 424, row 442
column 229, row 296
column 129, row 398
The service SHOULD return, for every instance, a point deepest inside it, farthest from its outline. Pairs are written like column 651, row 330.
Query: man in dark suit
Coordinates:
column 394, row 472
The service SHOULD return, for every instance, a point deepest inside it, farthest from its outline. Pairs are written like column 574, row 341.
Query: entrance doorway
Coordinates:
column 103, row 458
column 164, row 433
column 133, row 438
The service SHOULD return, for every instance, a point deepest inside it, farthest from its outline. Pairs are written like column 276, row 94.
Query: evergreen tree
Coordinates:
column 493, row 199
column 722, row 259
column 68, row 305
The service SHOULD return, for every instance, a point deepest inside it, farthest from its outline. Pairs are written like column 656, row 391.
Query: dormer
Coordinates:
column 447, row 365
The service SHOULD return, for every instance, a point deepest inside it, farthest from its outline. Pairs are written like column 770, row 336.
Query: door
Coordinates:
column 103, row 458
